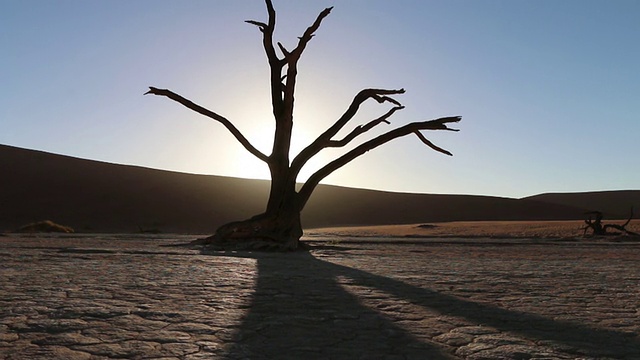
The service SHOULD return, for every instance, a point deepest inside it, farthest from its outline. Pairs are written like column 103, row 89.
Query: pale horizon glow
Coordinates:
column 549, row 91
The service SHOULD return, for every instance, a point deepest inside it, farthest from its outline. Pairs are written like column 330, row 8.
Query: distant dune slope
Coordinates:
column 103, row 197
column 97, row 196
column 614, row 204
column 346, row 206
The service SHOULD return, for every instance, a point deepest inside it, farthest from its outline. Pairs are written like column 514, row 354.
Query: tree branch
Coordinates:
column 267, row 30
column 431, row 145
column 259, row 24
column 439, row 124
column 364, row 128
column 324, row 140
column 308, row 34
column 291, row 59
column 382, row 99
column 314, row 180
column 629, row 219
column 224, row 121
column 361, row 97
column 284, row 51
column 275, row 64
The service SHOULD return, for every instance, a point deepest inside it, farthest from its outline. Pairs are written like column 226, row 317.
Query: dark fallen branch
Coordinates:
column 600, row 229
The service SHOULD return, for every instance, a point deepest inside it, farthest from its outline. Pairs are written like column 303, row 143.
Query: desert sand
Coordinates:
column 469, row 229
column 80, row 296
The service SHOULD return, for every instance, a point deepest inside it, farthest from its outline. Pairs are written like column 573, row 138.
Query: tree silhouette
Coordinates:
column 599, row 229
column 279, row 227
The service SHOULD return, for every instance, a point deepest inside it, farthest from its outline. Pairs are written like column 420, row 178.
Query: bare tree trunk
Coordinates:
column 279, row 230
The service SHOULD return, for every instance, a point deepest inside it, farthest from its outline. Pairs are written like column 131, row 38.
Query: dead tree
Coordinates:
column 279, row 226
column 598, row 228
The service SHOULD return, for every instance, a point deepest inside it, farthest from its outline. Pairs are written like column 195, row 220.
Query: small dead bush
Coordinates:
column 45, row 226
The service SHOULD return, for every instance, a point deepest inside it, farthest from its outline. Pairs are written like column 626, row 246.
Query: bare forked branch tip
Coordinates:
column 431, row 145
column 449, row 119
column 441, row 123
column 152, row 90
column 285, row 52
column 259, row 24
column 382, row 98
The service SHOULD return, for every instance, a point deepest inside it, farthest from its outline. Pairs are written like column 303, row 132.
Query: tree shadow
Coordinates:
column 300, row 310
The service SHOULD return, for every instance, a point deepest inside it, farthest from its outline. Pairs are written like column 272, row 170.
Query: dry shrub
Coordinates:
column 45, row 226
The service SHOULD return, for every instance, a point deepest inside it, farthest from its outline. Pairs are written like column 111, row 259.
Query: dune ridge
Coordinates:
column 93, row 196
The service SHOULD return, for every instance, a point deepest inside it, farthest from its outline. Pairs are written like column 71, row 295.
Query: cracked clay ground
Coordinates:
column 126, row 297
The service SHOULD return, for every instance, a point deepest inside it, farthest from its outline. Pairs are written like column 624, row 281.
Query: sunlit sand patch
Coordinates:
column 489, row 229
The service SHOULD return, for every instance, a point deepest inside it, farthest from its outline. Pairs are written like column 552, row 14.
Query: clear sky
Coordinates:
column 549, row 90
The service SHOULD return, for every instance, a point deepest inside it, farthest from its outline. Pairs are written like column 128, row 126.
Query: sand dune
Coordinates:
column 93, row 196
column 614, row 204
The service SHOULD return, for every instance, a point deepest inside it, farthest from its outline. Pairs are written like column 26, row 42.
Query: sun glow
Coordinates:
column 245, row 165
column 250, row 167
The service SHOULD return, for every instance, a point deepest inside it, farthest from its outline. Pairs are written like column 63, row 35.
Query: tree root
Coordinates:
column 260, row 233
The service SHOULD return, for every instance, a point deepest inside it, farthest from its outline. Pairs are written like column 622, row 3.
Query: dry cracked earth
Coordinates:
column 128, row 297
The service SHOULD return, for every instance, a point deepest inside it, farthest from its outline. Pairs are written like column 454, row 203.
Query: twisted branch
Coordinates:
column 439, row 124
column 275, row 64
column 291, row 58
column 206, row 112
column 324, row 140
column 309, row 33
column 314, row 180
column 364, row 128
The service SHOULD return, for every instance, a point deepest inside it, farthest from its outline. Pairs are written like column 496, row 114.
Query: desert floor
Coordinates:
column 471, row 229
column 490, row 294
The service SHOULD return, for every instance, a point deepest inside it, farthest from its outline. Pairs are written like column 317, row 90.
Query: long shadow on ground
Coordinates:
column 300, row 310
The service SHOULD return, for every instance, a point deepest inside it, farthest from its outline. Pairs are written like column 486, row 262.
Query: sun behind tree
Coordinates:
column 279, row 227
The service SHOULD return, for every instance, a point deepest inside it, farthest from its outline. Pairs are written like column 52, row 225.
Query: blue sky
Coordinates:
column 549, row 90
